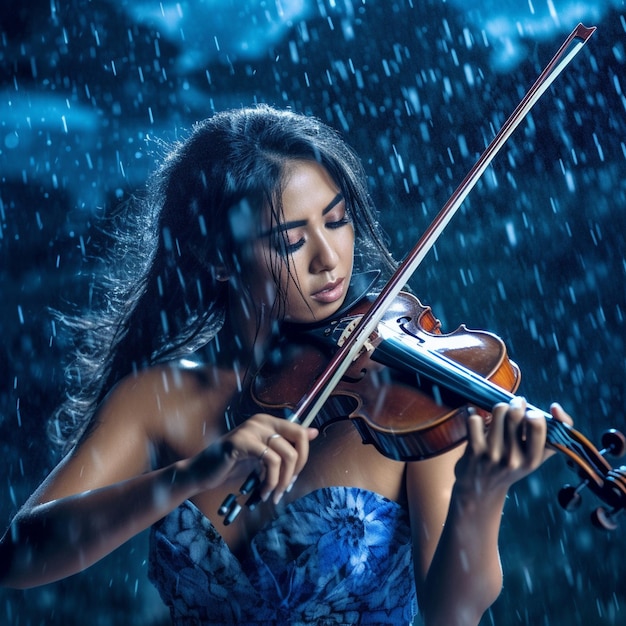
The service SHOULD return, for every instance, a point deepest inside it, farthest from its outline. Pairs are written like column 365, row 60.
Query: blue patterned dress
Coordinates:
column 339, row 555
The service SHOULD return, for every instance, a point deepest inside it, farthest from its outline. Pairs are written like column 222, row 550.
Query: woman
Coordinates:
column 260, row 218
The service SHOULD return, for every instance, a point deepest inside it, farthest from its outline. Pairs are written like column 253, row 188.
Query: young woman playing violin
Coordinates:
column 259, row 218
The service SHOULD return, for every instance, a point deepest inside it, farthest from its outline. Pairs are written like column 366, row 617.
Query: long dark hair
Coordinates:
column 164, row 299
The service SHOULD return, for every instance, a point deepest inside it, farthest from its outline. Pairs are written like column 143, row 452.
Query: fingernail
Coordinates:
column 265, row 497
column 278, row 496
column 292, row 483
column 518, row 402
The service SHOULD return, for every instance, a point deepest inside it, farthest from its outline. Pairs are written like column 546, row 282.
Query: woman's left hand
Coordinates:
column 512, row 447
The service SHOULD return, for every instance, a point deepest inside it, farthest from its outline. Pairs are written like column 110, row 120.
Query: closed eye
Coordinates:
column 339, row 223
column 290, row 248
column 284, row 248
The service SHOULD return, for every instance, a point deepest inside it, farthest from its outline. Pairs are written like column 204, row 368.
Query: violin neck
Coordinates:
column 400, row 351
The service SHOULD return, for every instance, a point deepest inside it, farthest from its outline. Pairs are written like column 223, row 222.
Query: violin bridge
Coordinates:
column 347, row 331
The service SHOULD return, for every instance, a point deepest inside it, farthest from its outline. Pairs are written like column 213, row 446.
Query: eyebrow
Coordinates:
column 297, row 223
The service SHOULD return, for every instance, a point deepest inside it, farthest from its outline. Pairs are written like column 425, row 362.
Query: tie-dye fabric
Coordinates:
column 336, row 556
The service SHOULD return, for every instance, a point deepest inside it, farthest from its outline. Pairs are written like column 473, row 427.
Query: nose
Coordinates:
column 324, row 256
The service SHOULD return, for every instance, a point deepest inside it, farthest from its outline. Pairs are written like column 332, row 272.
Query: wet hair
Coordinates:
column 164, row 299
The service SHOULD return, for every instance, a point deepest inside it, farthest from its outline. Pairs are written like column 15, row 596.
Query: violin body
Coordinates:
column 404, row 415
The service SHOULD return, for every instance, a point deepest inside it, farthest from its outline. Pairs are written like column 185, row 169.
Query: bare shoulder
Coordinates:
column 179, row 408
column 151, row 418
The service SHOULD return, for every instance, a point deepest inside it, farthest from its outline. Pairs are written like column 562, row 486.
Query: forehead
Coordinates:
column 307, row 188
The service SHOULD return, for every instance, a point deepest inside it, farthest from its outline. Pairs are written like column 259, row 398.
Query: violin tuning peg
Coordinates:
column 603, row 519
column 569, row 496
column 613, row 442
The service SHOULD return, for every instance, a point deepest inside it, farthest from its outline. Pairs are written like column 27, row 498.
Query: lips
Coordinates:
column 331, row 292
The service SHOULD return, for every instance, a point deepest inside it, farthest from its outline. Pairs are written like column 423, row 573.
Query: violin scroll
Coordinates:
column 607, row 483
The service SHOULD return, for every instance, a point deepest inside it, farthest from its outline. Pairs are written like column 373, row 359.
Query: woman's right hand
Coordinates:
column 277, row 448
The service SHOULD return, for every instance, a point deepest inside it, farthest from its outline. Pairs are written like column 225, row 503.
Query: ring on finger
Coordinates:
column 274, row 436
column 263, row 454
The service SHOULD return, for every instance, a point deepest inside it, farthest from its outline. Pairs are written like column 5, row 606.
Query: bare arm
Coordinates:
column 456, row 508
column 104, row 492
column 55, row 539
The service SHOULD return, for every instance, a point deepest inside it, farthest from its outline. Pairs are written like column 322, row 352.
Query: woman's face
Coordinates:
column 310, row 252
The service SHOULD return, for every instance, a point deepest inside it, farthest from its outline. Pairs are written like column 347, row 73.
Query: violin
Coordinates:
column 385, row 361
column 410, row 390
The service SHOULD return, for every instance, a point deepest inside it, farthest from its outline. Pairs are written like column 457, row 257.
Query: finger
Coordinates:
column 289, row 444
column 495, row 434
column 271, row 463
column 556, row 410
column 288, row 455
column 535, row 427
column 515, row 431
column 477, row 442
column 299, row 437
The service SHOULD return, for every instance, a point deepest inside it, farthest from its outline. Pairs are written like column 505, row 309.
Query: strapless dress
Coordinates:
column 339, row 555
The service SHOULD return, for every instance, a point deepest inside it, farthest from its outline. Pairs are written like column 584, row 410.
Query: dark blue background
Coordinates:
column 536, row 253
